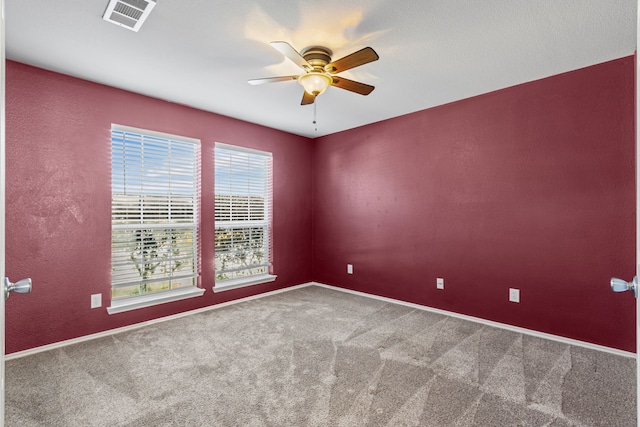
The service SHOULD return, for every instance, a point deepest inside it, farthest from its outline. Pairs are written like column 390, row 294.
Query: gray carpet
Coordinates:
column 318, row 357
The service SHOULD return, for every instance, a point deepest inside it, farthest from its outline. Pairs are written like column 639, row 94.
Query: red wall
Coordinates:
column 58, row 214
column 530, row 187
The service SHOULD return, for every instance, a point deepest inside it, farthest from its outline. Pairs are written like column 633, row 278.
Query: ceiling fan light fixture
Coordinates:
column 319, row 70
column 315, row 83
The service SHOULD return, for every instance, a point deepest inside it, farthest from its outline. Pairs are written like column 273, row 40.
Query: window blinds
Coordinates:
column 155, row 191
column 243, row 203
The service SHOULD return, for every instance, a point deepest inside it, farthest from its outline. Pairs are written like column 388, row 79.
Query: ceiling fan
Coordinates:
column 320, row 72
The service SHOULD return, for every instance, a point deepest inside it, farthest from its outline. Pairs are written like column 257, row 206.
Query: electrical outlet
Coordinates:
column 440, row 283
column 96, row 300
column 349, row 269
column 514, row 295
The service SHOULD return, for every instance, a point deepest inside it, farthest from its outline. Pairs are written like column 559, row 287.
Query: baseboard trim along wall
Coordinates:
column 511, row 328
column 72, row 341
column 516, row 329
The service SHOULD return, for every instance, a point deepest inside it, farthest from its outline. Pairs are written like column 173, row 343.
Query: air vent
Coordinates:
column 128, row 13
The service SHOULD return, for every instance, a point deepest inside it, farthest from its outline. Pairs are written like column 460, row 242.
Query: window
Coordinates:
column 243, row 188
column 154, row 218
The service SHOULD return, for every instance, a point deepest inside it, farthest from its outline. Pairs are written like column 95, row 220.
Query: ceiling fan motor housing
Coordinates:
column 317, row 56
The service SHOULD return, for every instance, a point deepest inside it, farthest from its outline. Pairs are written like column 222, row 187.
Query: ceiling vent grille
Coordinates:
column 128, row 13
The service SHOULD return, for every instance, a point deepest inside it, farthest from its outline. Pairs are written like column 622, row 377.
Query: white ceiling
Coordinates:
column 202, row 52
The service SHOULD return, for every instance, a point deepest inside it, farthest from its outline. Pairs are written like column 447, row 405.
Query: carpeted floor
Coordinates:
column 319, row 357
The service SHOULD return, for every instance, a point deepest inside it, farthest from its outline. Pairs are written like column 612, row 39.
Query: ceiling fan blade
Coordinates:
column 307, row 99
column 288, row 51
column 271, row 80
column 361, row 57
column 350, row 85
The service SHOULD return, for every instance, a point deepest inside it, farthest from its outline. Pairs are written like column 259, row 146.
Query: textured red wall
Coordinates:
column 530, row 187
column 58, row 214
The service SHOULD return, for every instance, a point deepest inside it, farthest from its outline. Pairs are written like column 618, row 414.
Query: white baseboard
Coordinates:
column 516, row 329
column 511, row 328
column 65, row 343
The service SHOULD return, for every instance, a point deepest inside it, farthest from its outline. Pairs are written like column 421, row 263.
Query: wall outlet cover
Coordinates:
column 96, row 300
column 514, row 295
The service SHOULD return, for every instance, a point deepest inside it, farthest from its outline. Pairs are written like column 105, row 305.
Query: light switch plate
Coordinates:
column 96, row 300
column 349, row 268
column 514, row 295
column 440, row 283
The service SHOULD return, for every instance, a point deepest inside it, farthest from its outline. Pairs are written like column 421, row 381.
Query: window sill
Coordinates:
column 153, row 299
column 242, row 282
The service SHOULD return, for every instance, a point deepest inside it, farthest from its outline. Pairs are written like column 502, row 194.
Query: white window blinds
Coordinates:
column 243, row 200
column 155, row 192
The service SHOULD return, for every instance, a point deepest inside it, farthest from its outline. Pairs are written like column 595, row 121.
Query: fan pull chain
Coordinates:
column 315, row 124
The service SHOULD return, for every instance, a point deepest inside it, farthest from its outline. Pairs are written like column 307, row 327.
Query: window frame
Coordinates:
column 160, row 297
column 267, row 223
